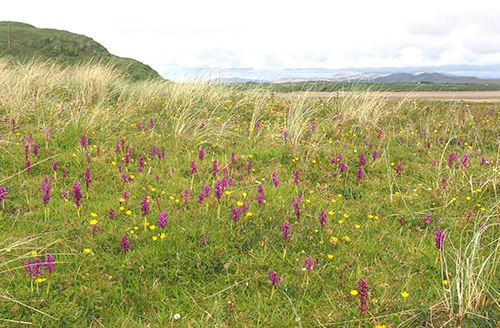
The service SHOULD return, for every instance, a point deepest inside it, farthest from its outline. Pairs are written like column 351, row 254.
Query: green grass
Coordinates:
column 366, row 86
column 28, row 42
column 225, row 282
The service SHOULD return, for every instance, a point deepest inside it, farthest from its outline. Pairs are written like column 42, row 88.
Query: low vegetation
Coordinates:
column 139, row 204
column 368, row 86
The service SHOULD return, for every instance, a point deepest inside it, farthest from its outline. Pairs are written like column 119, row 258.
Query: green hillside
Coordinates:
column 26, row 41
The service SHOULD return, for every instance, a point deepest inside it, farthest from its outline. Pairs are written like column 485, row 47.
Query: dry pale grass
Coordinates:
column 42, row 89
column 36, row 88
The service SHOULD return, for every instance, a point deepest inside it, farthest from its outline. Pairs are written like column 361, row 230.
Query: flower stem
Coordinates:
column 48, row 286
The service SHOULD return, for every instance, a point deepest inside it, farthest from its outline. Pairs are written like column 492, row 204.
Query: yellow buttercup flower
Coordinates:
column 405, row 294
column 354, row 292
column 93, row 222
column 87, row 250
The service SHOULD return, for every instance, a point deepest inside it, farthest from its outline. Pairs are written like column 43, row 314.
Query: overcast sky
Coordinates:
column 263, row 36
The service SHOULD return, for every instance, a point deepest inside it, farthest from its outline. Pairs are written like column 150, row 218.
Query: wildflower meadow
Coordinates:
column 148, row 204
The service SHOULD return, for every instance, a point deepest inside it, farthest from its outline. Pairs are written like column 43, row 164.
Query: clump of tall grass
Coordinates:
column 26, row 87
column 360, row 106
column 470, row 274
column 46, row 88
column 356, row 106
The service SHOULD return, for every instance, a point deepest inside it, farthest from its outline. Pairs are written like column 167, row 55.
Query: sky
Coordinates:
column 269, row 39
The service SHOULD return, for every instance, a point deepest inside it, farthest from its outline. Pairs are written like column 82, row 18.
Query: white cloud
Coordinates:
column 280, row 34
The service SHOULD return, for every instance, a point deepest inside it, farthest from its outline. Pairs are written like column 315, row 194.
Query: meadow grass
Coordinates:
column 151, row 148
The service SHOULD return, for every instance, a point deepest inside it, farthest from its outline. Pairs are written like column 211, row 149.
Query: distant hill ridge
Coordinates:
column 23, row 41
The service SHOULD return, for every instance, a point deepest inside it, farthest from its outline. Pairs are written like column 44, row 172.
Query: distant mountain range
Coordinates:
column 424, row 77
column 237, row 80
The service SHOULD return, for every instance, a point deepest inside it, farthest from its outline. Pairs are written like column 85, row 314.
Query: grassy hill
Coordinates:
column 26, row 42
